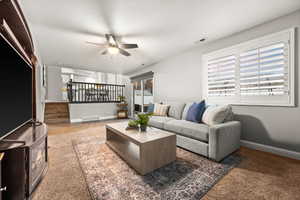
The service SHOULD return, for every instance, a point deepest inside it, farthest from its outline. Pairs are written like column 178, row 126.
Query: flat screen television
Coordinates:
column 15, row 89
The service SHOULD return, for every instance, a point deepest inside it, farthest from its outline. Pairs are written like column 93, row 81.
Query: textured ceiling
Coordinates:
column 161, row 28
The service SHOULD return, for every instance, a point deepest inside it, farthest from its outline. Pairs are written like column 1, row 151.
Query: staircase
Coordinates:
column 57, row 112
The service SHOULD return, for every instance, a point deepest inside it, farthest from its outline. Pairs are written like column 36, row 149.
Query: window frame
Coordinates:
column 282, row 36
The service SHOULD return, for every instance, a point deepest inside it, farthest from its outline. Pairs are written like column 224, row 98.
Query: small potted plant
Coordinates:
column 143, row 119
column 132, row 124
column 122, row 99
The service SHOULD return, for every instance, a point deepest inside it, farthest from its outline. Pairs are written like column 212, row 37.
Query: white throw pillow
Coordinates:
column 216, row 114
column 160, row 109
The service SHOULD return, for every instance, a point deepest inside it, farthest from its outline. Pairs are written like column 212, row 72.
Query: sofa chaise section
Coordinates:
column 224, row 139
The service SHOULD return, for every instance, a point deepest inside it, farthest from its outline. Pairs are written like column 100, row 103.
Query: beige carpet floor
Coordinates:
column 64, row 179
column 260, row 176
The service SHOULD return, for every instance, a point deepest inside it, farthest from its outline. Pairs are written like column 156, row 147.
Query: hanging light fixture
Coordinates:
column 113, row 50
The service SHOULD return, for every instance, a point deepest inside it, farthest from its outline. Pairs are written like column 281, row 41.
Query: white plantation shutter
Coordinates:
column 258, row 72
column 221, row 76
column 263, row 71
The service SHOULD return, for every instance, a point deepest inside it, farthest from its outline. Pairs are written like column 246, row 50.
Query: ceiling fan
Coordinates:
column 112, row 46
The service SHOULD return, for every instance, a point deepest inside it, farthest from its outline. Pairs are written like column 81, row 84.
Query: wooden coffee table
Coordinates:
column 144, row 151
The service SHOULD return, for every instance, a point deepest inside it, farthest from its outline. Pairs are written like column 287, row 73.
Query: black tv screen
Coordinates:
column 15, row 88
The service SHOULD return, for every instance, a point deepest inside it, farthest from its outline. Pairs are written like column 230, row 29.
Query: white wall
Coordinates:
column 40, row 89
column 54, row 84
column 179, row 78
column 40, row 93
column 92, row 112
column 127, row 92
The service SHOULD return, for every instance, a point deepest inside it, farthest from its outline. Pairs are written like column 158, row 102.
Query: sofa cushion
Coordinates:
column 176, row 109
column 159, row 121
column 186, row 109
column 189, row 129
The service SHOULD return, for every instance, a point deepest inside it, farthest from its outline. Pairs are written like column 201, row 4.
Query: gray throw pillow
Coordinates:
column 230, row 115
column 175, row 109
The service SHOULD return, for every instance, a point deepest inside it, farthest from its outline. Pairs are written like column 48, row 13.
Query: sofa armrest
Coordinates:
column 224, row 139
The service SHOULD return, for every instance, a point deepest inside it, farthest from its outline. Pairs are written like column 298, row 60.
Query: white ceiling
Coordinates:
column 161, row 28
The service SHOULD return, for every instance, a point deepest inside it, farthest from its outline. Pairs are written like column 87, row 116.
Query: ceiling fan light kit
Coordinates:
column 112, row 46
column 113, row 50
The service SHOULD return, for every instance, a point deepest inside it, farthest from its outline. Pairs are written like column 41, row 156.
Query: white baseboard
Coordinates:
column 93, row 119
column 271, row 149
column 108, row 117
column 75, row 120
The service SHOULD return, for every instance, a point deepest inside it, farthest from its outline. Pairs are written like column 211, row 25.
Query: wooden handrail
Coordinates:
column 82, row 92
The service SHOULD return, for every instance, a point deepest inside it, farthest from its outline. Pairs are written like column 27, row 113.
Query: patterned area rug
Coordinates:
column 108, row 177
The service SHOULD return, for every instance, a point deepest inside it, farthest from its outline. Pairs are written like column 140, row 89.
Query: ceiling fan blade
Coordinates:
column 114, row 38
column 97, row 44
column 129, row 46
column 111, row 39
column 104, row 52
column 107, row 36
column 123, row 52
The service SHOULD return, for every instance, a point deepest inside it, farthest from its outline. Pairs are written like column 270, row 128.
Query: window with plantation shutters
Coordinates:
column 263, row 71
column 221, row 76
column 257, row 72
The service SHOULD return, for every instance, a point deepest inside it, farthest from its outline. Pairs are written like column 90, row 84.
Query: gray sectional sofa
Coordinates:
column 214, row 142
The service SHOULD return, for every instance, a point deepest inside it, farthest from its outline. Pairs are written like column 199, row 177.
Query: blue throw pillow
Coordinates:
column 195, row 112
